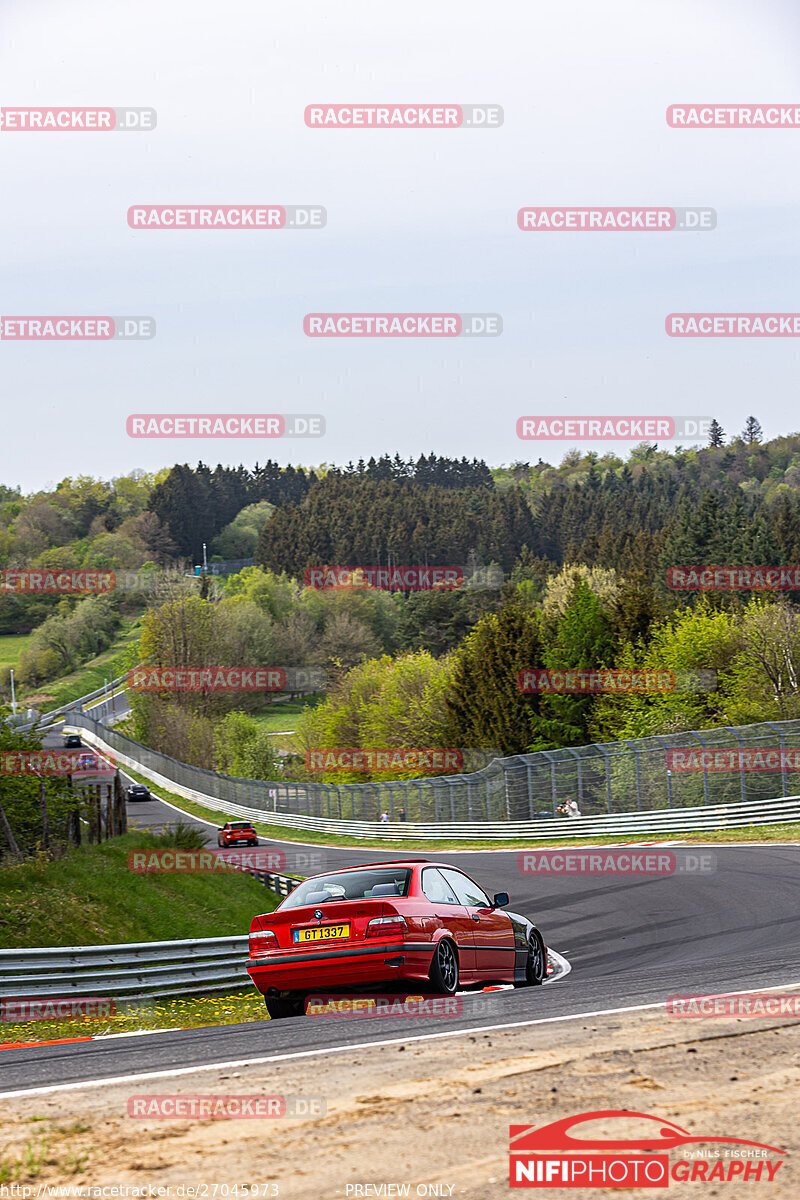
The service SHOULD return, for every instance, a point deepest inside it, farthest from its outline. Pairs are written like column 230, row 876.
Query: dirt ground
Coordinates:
column 432, row 1115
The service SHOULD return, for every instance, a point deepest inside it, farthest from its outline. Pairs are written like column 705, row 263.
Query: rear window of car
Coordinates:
column 351, row 885
column 239, row 825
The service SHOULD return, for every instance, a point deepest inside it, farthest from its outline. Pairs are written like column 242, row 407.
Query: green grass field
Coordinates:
column 283, row 714
column 90, row 897
column 90, row 676
column 11, row 647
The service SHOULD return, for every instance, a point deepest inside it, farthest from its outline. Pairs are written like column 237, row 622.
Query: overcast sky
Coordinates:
column 418, row 221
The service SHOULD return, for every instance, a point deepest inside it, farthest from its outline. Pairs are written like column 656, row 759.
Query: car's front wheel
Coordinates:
column 536, row 962
column 220, row 842
column 444, row 968
column 283, row 1006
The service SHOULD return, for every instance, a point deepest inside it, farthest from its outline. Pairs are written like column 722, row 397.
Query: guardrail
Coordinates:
column 629, row 778
column 132, row 970
column 657, row 821
column 45, row 720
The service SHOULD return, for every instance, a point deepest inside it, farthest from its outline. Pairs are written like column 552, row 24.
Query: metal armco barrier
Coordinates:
column 127, row 971
column 45, row 720
column 132, row 970
column 508, row 788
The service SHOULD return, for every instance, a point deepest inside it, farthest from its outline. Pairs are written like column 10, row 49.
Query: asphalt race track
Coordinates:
column 630, row 941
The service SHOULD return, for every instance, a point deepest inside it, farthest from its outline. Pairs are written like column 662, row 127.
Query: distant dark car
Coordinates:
column 138, row 791
column 236, row 833
column 72, row 740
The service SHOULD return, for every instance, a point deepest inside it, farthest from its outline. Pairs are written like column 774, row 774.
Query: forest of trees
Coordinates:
column 583, row 550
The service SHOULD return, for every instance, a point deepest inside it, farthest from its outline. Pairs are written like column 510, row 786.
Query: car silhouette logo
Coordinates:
column 318, row 913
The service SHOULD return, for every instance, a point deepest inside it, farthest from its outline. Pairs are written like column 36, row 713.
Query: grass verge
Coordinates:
column 11, row 647
column 177, row 1012
column 749, row 833
column 89, row 897
column 90, row 676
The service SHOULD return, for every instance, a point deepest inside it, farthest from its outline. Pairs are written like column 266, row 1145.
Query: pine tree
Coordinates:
column 486, row 709
column 716, row 434
column 752, row 432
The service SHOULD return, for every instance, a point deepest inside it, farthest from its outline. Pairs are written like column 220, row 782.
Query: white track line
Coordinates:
column 353, row 1046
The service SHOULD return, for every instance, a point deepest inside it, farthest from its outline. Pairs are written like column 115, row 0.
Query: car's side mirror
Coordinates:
column 500, row 900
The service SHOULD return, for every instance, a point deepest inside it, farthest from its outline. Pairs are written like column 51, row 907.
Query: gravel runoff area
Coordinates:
column 429, row 1117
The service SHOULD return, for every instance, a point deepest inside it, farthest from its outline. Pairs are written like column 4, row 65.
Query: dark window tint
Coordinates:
column 468, row 892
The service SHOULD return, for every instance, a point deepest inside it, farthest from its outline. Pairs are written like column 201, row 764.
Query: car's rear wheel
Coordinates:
column 444, row 968
column 283, row 1006
column 536, row 963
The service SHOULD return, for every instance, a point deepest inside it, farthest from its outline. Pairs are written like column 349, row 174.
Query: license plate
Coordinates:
column 321, row 933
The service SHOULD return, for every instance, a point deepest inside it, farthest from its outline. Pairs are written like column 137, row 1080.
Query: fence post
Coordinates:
column 637, row 766
column 607, row 763
column 742, row 772
column 784, row 778
column 705, row 768
column 553, row 785
column 664, row 742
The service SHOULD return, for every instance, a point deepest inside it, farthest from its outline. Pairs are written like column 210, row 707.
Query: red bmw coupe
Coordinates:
column 387, row 923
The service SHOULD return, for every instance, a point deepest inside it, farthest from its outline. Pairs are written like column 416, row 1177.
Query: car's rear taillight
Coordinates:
column 261, row 941
column 387, row 926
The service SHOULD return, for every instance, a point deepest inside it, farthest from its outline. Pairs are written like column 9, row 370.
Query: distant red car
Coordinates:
column 237, row 833
column 386, row 923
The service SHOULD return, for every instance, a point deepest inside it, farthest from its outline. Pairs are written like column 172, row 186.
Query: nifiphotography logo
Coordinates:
column 553, row 1156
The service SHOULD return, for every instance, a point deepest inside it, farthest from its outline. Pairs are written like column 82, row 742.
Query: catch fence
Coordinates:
column 616, row 777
